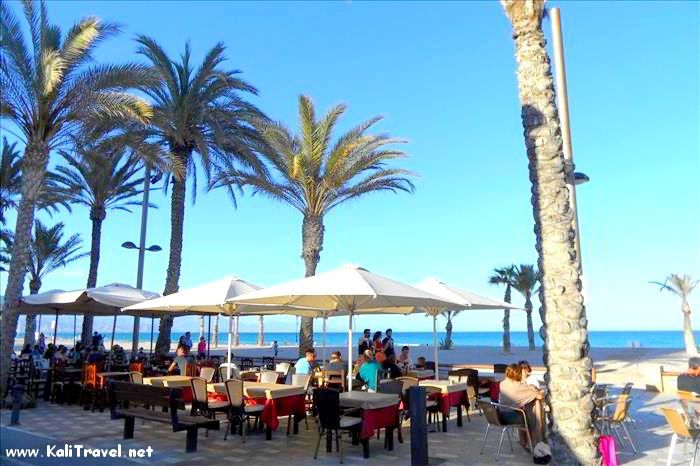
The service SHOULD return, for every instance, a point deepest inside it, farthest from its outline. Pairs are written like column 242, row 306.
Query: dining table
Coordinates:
column 448, row 394
column 421, row 374
column 173, row 381
column 278, row 400
column 377, row 411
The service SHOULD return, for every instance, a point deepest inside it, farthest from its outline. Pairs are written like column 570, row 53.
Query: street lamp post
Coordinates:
column 147, row 180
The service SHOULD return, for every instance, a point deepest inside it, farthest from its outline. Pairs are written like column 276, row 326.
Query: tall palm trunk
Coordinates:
column 448, row 330
column 688, row 335
column 261, row 331
column 97, row 216
column 530, row 328
column 506, row 321
column 572, row 434
column 36, row 158
column 177, row 221
column 30, row 325
column 215, row 337
column 312, row 243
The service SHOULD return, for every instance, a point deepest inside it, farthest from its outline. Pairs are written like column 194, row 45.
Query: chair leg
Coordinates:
column 244, row 430
column 500, row 442
column 629, row 437
column 510, row 440
column 486, row 436
column 529, row 441
column 695, row 452
column 318, row 442
column 671, row 447
column 340, row 447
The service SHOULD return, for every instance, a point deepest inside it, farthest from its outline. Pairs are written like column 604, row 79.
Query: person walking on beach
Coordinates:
column 202, row 348
column 275, row 348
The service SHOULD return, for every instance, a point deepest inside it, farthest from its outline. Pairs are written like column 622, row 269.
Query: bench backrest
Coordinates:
column 124, row 393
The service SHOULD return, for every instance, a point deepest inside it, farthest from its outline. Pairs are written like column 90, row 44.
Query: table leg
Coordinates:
column 268, row 433
column 355, row 438
column 365, row 447
column 389, row 433
column 295, row 427
column 444, row 422
column 459, row 415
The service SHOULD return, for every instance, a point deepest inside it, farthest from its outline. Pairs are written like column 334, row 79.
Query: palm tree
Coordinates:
column 100, row 175
column 525, row 282
column 314, row 176
column 48, row 252
column 682, row 286
column 201, row 117
column 573, row 436
column 50, row 89
column 449, row 315
column 504, row 276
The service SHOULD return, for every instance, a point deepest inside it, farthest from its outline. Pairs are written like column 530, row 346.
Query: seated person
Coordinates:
column 389, row 366
column 336, row 363
column 527, row 374
column 94, row 355
column 404, row 359
column 180, row 361
column 420, row 363
column 690, row 381
column 369, row 370
column 27, row 349
column 515, row 392
column 307, row 363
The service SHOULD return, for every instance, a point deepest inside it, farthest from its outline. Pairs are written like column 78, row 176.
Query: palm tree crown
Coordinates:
column 503, row 276
column 525, row 279
column 49, row 251
column 680, row 285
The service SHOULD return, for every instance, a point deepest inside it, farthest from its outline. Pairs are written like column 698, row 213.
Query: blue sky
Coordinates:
column 443, row 74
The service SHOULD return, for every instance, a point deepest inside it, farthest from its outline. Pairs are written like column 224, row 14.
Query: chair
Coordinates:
column 471, row 376
column 682, row 428
column 627, row 389
column 617, row 419
column 284, row 369
column 207, row 373
column 394, row 387
column 267, row 363
column 268, row 376
column 201, row 405
column 305, row 381
column 500, row 368
column 431, row 406
column 238, row 410
column 223, row 371
column 331, row 419
column 136, row 367
column 136, row 377
column 246, row 364
column 334, row 379
column 494, row 418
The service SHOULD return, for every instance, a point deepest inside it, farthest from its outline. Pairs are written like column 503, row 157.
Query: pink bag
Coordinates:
column 607, row 450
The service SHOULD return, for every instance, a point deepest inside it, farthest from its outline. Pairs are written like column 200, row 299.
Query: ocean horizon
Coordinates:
column 598, row 339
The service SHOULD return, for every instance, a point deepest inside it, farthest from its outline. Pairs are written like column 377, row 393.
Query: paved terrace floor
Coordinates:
column 58, row 424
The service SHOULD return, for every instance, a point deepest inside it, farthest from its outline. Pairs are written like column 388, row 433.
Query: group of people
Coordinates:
column 382, row 347
column 520, row 389
column 185, row 341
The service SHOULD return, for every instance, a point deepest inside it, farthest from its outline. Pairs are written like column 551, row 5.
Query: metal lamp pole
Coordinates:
column 142, row 252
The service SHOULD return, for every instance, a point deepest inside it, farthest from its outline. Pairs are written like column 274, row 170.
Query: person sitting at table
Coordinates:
column 61, row 355
column 420, row 363
column 527, row 374
column 307, row 363
column 118, row 355
column 180, row 361
column 404, row 359
column 515, row 392
column 50, row 350
column 390, row 367
column 690, row 380
column 27, row 349
column 140, row 355
column 378, row 347
column 202, row 348
column 369, row 370
column 336, row 362
column 95, row 355
column 365, row 343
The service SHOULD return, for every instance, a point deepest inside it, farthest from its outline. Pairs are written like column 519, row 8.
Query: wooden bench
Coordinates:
column 130, row 401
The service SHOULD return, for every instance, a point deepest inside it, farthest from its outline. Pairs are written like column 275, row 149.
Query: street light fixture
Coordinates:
column 581, row 178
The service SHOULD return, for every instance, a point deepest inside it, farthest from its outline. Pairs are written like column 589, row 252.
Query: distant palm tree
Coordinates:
column 51, row 87
column 504, row 276
column 573, row 436
column 525, row 282
column 100, row 175
column 449, row 315
column 201, row 117
column 48, row 251
column 314, row 176
column 682, row 286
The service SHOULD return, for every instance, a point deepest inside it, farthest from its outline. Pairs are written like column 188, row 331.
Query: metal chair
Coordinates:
column 246, row 364
column 268, row 376
column 682, row 428
column 431, row 406
column 201, row 405
column 331, row 420
column 207, row 373
column 494, row 418
column 267, row 363
column 613, row 421
column 223, row 371
column 305, row 381
column 394, row 387
column 238, row 411
column 500, row 368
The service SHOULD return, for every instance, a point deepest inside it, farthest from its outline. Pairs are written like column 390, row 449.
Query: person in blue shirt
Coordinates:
column 307, row 363
column 369, row 370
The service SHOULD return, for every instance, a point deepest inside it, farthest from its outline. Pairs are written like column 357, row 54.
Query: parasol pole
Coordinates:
column 435, row 346
column 324, row 340
column 228, row 351
column 75, row 318
column 209, row 339
column 114, row 329
column 349, row 351
column 55, row 328
column 151, row 349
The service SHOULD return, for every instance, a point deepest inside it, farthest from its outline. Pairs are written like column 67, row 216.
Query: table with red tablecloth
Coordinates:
column 448, row 394
column 378, row 411
column 173, row 381
column 278, row 400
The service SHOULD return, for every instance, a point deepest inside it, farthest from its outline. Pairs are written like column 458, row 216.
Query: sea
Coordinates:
column 598, row 339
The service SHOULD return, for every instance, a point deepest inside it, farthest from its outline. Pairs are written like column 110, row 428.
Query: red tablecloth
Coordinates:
column 495, row 389
column 274, row 408
column 446, row 401
column 186, row 394
column 373, row 419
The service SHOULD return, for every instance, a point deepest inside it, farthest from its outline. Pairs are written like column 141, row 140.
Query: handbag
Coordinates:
column 608, row 450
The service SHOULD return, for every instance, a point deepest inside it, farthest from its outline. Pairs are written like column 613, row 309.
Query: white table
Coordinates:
column 449, row 394
column 270, row 391
column 170, row 381
column 367, row 400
